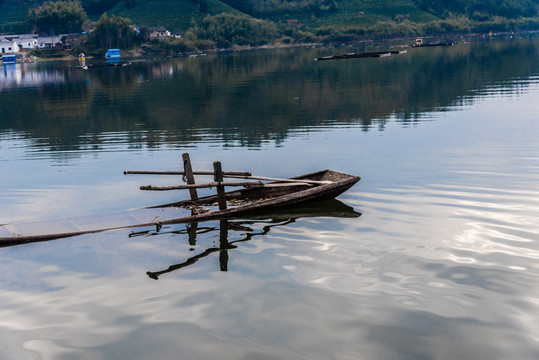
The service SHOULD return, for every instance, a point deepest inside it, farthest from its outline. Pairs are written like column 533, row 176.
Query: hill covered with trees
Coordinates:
column 226, row 23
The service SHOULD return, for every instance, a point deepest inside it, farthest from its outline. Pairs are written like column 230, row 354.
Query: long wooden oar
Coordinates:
column 229, row 174
column 164, row 172
column 198, row 186
column 254, row 177
column 213, row 184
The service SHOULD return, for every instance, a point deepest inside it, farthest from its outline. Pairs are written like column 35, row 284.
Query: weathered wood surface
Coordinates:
column 245, row 201
column 195, row 172
column 200, row 186
column 283, row 195
column 227, row 174
column 306, row 181
column 189, row 176
column 42, row 230
column 218, row 177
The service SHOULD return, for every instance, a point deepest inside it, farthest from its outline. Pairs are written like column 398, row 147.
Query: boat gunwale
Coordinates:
column 294, row 198
column 238, row 193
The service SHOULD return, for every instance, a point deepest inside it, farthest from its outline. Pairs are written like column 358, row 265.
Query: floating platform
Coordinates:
column 107, row 64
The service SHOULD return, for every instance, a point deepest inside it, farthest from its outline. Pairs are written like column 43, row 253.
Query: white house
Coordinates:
column 48, row 42
column 8, row 47
column 27, row 42
column 158, row 33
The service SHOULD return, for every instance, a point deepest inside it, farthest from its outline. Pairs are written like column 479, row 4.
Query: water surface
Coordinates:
column 441, row 264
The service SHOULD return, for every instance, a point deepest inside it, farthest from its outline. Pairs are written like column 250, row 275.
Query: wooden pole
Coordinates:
column 211, row 184
column 195, row 172
column 189, row 175
column 192, row 231
column 218, row 177
column 223, row 245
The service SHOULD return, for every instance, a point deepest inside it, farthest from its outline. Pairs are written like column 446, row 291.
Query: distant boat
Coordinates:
column 376, row 54
column 113, row 54
column 113, row 60
column 82, row 61
column 436, row 44
column 9, row 59
column 109, row 63
column 419, row 43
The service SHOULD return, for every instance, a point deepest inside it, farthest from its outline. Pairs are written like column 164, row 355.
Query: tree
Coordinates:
column 227, row 29
column 480, row 8
column 113, row 32
column 58, row 17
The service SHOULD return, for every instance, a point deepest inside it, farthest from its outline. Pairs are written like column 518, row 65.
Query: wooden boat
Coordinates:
column 253, row 198
column 435, row 44
column 419, row 43
column 355, row 55
column 375, row 54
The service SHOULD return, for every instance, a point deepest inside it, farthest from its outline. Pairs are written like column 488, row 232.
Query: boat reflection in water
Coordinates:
column 246, row 227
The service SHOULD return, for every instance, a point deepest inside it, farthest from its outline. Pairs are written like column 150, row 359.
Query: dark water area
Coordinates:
column 432, row 255
column 215, row 97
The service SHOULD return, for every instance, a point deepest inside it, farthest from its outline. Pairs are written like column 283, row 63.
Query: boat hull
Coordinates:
column 244, row 202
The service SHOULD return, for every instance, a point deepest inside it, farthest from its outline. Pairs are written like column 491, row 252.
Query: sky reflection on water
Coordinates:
column 442, row 262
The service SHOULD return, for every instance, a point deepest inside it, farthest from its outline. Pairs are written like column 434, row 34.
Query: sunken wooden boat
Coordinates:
column 253, row 198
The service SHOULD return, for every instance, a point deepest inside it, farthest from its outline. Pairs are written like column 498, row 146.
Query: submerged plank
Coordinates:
column 89, row 223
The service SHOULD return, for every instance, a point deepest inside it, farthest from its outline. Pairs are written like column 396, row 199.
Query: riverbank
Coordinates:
column 29, row 57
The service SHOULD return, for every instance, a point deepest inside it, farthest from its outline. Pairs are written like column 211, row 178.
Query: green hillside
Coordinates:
column 175, row 15
column 358, row 13
column 179, row 14
column 13, row 18
column 299, row 20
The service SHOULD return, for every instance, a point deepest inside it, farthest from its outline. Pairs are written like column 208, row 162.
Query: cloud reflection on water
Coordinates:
column 442, row 263
column 341, row 281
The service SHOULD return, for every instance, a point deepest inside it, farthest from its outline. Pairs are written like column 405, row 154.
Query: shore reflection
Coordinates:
column 214, row 99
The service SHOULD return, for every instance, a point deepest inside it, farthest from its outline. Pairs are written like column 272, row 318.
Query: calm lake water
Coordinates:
column 441, row 264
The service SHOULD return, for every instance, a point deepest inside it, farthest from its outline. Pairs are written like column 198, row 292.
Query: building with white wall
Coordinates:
column 8, row 46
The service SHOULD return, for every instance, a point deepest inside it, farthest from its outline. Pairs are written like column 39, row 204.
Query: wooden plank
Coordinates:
column 200, row 186
column 287, row 184
column 218, row 177
column 189, row 175
column 253, row 177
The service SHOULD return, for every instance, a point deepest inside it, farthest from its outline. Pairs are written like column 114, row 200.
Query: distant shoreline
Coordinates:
column 136, row 53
